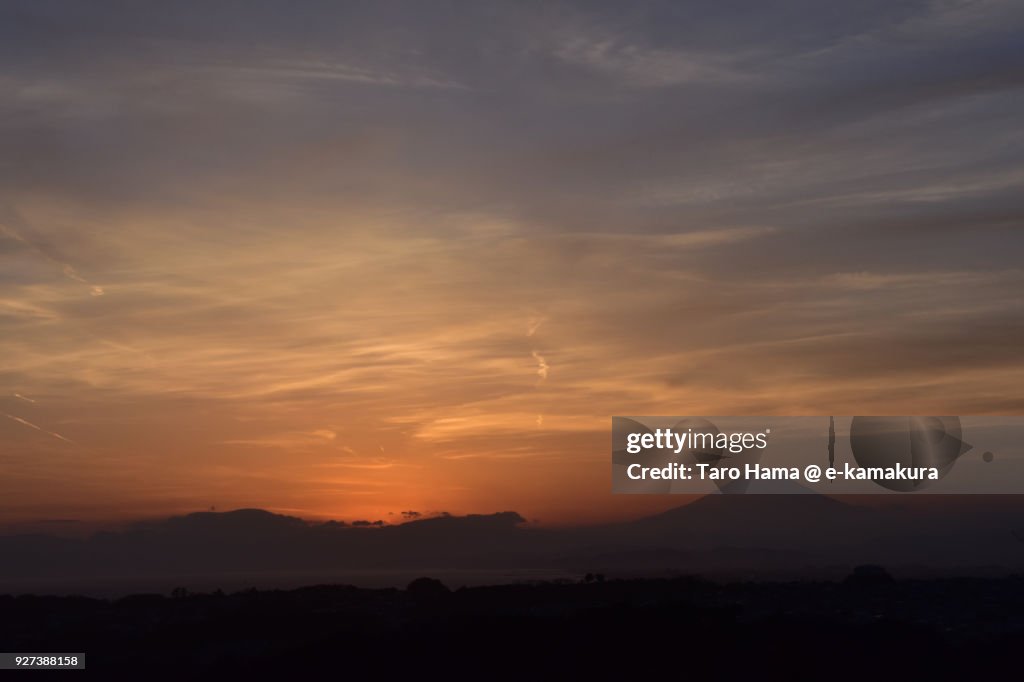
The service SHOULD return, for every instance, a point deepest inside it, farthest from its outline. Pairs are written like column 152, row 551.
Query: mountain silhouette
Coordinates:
column 748, row 533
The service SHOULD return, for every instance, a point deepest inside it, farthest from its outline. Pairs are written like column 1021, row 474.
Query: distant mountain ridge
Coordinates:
column 736, row 532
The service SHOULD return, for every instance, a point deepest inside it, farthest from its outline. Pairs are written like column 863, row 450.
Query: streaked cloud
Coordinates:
column 25, row 422
column 642, row 66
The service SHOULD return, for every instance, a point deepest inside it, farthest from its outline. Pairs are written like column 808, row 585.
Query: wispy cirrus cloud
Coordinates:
column 651, row 67
column 312, row 71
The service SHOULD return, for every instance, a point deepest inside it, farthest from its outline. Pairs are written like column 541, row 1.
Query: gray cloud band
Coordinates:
column 830, row 455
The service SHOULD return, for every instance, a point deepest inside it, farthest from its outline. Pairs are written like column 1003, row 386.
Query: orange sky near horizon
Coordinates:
column 267, row 374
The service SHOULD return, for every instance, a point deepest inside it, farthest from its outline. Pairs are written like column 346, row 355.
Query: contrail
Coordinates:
column 38, row 428
column 25, row 398
column 40, row 247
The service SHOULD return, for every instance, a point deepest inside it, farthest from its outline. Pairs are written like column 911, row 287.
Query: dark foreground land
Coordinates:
column 868, row 627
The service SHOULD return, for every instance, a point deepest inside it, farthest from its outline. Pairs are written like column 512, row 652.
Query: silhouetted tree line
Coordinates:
column 869, row 627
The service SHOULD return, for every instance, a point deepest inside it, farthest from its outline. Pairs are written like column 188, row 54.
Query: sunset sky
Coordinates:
column 349, row 259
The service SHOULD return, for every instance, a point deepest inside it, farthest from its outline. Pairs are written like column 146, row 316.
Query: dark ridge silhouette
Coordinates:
column 726, row 535
column 868, row 575
column 427, row 589
column 743, row 514
column 866, row 628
